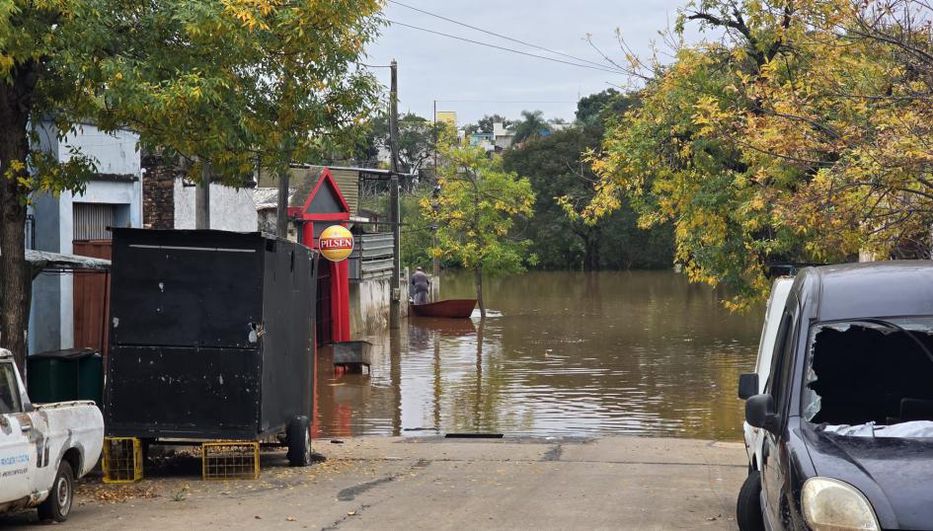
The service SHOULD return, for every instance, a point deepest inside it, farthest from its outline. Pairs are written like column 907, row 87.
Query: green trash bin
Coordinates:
column 65, row 375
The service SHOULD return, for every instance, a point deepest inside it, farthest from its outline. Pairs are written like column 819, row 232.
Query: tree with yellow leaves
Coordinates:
column 475, row 213
column 232, row 83
column 802, row 135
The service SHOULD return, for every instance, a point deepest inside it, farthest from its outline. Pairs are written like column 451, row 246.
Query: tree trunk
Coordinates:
column 591, row 258
column 478, row 279
column 15, row 281
column 591, row 249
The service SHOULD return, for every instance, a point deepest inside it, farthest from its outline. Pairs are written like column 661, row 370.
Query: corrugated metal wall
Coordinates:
column 91, row 221
column 372, row 257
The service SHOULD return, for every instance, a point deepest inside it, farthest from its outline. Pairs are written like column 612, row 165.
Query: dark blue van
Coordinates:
column 847, row 410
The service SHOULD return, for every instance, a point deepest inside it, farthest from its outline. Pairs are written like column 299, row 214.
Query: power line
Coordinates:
column 538, row 102
column 499, row 35
column 503, row 48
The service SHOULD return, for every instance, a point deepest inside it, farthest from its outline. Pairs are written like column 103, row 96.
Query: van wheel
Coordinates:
column 58, row 505
column 748, row 506
column 298, row 438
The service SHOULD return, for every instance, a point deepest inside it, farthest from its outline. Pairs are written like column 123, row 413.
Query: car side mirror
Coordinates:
column 759, row 412
column 748, row 385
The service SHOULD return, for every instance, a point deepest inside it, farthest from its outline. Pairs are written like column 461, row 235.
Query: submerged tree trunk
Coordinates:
column 591, row 250
column 591, row 246
column 478, row 279
column 15, row 282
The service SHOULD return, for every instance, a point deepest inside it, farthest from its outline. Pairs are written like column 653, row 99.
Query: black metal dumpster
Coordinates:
column 210, row 337
column 65, row 375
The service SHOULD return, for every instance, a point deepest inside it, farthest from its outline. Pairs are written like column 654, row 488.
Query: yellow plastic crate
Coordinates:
column 123, row 460
column 230, row 460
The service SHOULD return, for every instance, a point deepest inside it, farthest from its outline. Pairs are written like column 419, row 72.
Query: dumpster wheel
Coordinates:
column 298, row 438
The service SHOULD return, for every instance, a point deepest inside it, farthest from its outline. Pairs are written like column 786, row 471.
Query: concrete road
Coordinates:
column 414, row 483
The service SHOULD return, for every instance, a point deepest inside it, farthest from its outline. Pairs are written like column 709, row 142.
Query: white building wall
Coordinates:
column 369, row 304
column 52, row 313
column 116, row 152
column 231, row 209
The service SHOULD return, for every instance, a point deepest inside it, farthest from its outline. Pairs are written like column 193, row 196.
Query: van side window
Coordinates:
column 786, row 367
column 9, row 390
column 776, row 377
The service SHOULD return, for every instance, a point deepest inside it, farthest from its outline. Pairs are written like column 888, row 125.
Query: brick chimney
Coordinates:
column 158, row 191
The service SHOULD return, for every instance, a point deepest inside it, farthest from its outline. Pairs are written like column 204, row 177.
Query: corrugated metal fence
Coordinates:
column 372, row 256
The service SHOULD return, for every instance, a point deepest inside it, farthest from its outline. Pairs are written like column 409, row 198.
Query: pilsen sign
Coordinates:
column 336, row 243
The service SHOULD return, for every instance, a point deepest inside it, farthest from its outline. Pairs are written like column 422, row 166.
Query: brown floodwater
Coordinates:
column 560, row 354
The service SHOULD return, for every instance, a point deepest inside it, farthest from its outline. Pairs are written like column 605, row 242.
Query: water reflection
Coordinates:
column 642, row 353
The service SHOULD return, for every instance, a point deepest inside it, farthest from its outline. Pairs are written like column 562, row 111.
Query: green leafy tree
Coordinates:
column 563, row 183
column 417, row 136
column 228, row 84
column 416, row 139
column 476, row 211
column 363, row 147
column 416, row 234
column 486, row 123
column 595, row 110
column 469, row 129
column 555, row 168
column 531, row 125
column 416, row 226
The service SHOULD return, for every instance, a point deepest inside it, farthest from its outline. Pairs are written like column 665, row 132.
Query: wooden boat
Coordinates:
column 449, row 309
column 445, row 327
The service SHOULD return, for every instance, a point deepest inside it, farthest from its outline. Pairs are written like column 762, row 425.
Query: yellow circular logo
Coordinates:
column 336, row 243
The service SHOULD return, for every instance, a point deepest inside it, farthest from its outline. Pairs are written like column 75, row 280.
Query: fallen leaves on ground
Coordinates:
column 118, row 493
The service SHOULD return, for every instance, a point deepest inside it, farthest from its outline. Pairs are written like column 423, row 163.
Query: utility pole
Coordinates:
column 436, row 262
column 281, row 209
column 395, row 315
column 202, row 198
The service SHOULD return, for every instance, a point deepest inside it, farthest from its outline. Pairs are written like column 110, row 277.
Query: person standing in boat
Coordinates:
column 420, row 286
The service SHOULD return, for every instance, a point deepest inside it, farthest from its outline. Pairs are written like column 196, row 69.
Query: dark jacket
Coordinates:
column 420, row 282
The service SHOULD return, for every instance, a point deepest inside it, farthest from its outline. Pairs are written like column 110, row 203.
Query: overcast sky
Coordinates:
column 474, row 80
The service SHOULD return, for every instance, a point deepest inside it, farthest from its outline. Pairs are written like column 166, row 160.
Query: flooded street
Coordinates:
column 561, row 354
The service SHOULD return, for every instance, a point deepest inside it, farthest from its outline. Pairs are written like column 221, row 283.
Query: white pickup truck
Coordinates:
column 43, row 447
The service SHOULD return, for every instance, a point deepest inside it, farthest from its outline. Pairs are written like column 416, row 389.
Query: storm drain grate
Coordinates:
column 230, row 460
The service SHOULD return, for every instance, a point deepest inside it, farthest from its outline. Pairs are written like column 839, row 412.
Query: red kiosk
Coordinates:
column 326, row 206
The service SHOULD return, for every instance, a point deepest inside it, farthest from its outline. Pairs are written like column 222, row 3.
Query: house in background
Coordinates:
column 353, row 296
column 503, row 137
column 69, row 310
column 486, row 141
column 498, row 140
column 169, row 199
column 302, row 180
